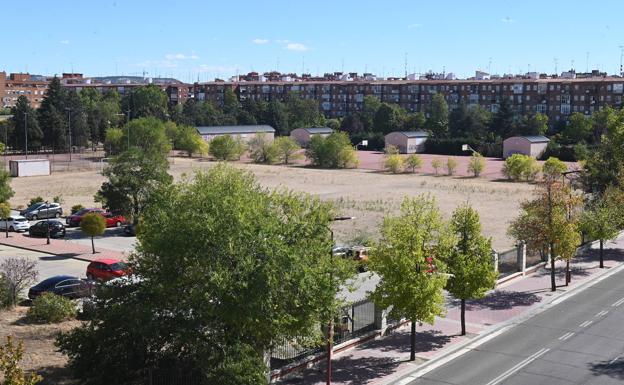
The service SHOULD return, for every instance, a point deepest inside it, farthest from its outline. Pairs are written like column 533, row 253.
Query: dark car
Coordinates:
column 42, row 210
column 40, row 229
column 63, row 285
column 130, row 230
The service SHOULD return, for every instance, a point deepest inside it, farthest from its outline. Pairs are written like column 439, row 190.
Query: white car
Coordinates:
column 14, row 223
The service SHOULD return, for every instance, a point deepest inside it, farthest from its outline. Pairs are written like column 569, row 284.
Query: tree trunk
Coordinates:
column 568, row 275
column 413, row 341
column 92, row 245
column 463, row 317
column 601, row 255
column 553, row 284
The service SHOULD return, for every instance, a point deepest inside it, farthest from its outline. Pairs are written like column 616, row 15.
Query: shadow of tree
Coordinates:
column 56, row 375
column 347, row 370
column 502, row 299
column 593, row 255
column 399, row 341
column 58, row 257
column 606, row 368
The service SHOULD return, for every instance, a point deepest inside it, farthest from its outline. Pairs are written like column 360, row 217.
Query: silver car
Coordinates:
column 42, row 210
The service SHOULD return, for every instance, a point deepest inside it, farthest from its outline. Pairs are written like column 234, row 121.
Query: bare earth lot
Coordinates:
column 367, row 194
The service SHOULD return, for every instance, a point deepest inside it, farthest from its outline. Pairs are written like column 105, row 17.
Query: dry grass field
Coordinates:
column 367, row 195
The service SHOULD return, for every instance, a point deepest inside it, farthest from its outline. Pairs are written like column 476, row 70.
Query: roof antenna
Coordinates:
column 556, row 62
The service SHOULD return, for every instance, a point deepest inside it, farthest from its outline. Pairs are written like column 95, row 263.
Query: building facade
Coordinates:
column 304, row 135
column 534, row 146
column 19, row 84
column 408, row 142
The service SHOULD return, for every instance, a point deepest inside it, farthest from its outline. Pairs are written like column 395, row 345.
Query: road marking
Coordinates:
column 604, row 312
column 586, row 323
column 618, row 303
column 519, row 366
column 566, row 336
column 615, row 359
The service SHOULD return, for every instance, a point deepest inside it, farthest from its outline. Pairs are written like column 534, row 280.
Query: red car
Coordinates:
column 107, row 268
column 111, row 219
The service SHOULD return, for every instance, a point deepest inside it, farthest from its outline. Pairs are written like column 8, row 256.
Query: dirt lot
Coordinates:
column 40, row 355
column 367, row 194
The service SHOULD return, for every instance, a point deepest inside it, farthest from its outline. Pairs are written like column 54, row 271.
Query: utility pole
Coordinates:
column 70, row 133
column 26, row 134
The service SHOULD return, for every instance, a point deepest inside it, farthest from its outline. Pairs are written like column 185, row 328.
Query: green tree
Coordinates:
column 52, row 116
column 602, row 219
column 600, row 121
column 267, row 252
column 389, row 117
column 287, row 149
column 225, row 147
column 553, row 168
column 113, row 142
column 145, row 101
column 394, row 163
column 476, row 164
column 276, row 116
column 148, row 134
column 408, row 260
column 352, row 124
column 5, row 212
column 230, row 102
column 370, row 106
column 578, row 129
column 438, row 122
column 470, row 262
column 303, row 112
column 25, row 119
column 414, row 162
column 519, row 166
column 534, row 124
column 190, row 141
column 262, row 149
column 333, row 151
column 605, row 163
column 10, row 358
column 451, row 166
column 436, row 164
column 6, row 192
column 503, row 120
column 415, row 121
column 93, row 224
column 133, row 177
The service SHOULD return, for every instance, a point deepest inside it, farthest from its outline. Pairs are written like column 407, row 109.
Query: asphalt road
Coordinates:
column 577, row 341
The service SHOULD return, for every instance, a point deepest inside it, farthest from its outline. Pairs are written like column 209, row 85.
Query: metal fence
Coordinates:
column 508, row 261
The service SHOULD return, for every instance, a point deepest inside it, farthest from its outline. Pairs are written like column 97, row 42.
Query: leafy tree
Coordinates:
column 225, row 147
column 600, row 121
column 578, row 129
column 230, row 102
column 389, row 117
column 470, row 261
column 469, row 122
column 245, row 118
column 334, row 124
column 190, row 141
column 414, row 162
column 148, row 134
column 605, row 163
column 530, row 168
column 303, row 112
column 113, row 142
column 93, row 224
column 10, row 358
column 436, row 164
column 101, row 111
column 262, row 149
column 476, row 164
column 408, row 259
column 262, row 251
column 601, row 219
column 352, row 124
column 394, row 163
column 451, row 166
column 370, row 106
column 287, row 149
column 438, row 122
column 6, row 192
column 133, row 177
column 333, row 151
column 25, row 119
column 145, row 101
column 276, row 116
column 519, row 166
column 5, row 212
column 548, row 222
column 19, row 273
column 53, row 116
column 553, row 169
column 534, row 124
column 503, row 120
column 415, row 121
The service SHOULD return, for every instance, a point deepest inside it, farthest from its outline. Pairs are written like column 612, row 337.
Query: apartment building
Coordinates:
column 17, row 84
column 557, row 97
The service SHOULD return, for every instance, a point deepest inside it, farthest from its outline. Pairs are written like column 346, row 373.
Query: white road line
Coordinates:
column 519, row 366
column 604, row 312
column 566, row 336
column 586, row 323
column 618, row 303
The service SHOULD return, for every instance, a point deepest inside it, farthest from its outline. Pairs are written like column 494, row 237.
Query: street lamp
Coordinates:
column 363, row 143
column 330, row 324
column 466, row 147
column 47, row 222
column 70, row 133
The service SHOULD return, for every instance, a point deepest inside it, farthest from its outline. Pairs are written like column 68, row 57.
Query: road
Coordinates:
column 577, row 341
column 47, row 265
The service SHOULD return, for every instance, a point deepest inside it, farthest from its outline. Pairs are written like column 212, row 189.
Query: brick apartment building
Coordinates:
column 18, row 84
column 554, row 96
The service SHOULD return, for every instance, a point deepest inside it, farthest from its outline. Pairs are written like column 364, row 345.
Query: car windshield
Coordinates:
column 33, row 207
column 118, row 266
column 82, row 212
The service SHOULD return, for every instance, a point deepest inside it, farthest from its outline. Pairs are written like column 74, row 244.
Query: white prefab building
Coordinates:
column 304, row 135
column 29, row 167
column 408, row 142
column 527, row 145
column 244, row 133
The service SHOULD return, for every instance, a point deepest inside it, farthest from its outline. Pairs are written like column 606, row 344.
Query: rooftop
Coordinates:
column 250, row 129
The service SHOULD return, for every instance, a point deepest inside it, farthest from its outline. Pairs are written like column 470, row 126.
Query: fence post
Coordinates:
column 495, row 260
column 381, row 319
column 521, row 257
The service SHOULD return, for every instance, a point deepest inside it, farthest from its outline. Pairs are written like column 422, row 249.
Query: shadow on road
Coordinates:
column 606, row 368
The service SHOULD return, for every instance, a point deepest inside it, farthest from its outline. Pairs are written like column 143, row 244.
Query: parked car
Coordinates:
column 42, row 211
column 15, row 223
column 40, row 229
column 107, row 268
column 130, row 229
column 63, row 285
column 74, row 219
column 113, row 220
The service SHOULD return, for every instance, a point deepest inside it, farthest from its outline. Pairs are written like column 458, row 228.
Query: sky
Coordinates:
column 199, row 40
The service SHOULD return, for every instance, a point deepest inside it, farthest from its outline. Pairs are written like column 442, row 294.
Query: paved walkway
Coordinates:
column 59, row 247
column 386, row 360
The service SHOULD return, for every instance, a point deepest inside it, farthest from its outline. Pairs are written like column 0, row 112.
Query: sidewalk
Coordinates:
column 59, row 247
column 386, row 360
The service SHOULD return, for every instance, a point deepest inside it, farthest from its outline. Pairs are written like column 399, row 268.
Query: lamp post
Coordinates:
column 363, row 143
column 330, row 324
column 70, row 133
column 47, row 222
column 466, row 147
column 26, row 134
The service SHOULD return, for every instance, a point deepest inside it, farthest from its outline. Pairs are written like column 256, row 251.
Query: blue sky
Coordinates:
column 204, row 39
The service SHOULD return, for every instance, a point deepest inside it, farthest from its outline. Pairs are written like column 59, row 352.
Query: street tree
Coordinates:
column 212, row 302
column 470, row 261
column 5, row 212
column 287, row 149
column 409, row 263
column 93, row 224
column 602, row 218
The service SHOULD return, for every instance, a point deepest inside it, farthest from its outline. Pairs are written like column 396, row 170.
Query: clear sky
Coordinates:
column 202, row 39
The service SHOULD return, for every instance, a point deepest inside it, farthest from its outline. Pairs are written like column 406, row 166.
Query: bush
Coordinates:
column 414, row 162
column 51, row 308
column 451, row 166
column 333, row 151
column 436, row 164
column 76, row 208
column 553, row 168
column 10, row 357
column 391, row 150
column 287, row 149
column 35, row 200
column 5, row 293
column 58, row 199
column 520, row 166
column 262, row 149
column 476, row 165
column 531, row 169
column 226, row 148
column 394, row 163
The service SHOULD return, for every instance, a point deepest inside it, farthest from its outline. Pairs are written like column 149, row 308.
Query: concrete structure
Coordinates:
column 19, row 84
column 527, row 145
column 244, row 133
column 303, row 135
column 29, row 167
column 408, row 142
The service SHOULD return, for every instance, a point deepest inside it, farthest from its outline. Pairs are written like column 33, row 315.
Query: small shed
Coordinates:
column 29, row 167
column 531, row 145
column 304, row 135
column 408, row 142
column 244, row 133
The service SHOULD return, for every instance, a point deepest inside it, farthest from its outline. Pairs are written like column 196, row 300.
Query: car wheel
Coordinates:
column 57, row 215
column 11, row 228
column 34, row 217
column 118, row 224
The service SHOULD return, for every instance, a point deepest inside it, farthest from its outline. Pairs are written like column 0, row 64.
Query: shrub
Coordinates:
column 394, row 163
column 414, row 162
column 35, row 200
column 51, row 308
column 476, row 165
column 226, row 148
column 287, row 149
column 5, row 293
column 553, row 168
column 520, row 166
column 436, row 164
column 58, row 199
column 262, row 149
column 333, row 151
column 391, row 150
column 76, row 208
column 451, row 166
column 530, row 168
column 10, row 358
